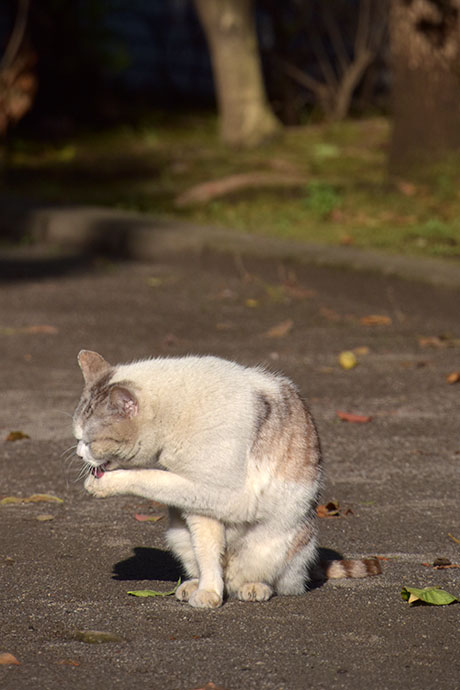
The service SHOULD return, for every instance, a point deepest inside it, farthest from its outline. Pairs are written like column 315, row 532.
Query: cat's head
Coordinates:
column 106, row 420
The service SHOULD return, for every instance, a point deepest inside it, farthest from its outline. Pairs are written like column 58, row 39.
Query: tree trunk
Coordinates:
column 246, row 118
column 425, row 38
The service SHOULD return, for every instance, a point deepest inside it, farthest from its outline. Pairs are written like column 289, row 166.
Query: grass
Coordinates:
column 346, row 197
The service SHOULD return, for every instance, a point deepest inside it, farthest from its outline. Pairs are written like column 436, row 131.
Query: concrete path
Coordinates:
column 67, row 567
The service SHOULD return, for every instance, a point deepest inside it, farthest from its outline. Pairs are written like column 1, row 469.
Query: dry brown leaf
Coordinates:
column 451, row 536
column 16, row 436
column 44, row 517
column 454, row 377
column 362, row 350
column 49, row 330
column 280, row 330
column 354, row 418
column 438, row 341
column 330, row 314
column 375, row 320
column 29, row 330
column 7, row 659
column 68, row 662
column 327, row 510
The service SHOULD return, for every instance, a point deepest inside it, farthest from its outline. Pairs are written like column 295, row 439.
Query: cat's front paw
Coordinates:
column 106, row 485
column 254, row 591
column 205, row 599
column 186, row 589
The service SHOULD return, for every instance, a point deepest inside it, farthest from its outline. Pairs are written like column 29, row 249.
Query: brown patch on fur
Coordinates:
column 285, row 436
column 302, row 538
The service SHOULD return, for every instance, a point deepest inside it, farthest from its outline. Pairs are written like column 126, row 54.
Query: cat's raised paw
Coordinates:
column 186, row 589
column 205, row 599
column 254, row 591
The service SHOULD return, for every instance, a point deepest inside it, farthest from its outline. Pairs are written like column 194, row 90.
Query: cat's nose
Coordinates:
column 80, row 449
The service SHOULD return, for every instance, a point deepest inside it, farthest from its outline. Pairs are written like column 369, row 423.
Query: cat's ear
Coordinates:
column 123, row 402
column 92, row 365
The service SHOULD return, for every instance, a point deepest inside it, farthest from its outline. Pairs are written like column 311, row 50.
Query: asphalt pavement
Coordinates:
column 66, row 567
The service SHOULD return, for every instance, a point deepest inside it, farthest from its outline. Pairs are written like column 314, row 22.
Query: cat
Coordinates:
column 234, row 454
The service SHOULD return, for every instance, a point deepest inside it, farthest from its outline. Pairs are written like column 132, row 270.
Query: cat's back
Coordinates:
column 194, row 374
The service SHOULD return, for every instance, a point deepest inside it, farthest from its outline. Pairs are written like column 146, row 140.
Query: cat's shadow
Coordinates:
column 156, row 564
column 148, row 564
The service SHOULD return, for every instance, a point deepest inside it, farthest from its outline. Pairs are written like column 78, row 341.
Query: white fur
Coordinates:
column 234, row 518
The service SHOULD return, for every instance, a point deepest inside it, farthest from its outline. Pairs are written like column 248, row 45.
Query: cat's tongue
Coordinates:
column 98, row 471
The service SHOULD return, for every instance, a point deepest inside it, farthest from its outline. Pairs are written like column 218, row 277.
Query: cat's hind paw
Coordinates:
column 254, row 591
column 205, row 599
column 186, row 589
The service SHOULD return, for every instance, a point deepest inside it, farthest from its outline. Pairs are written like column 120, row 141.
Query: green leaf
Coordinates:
column 428, row 595
column 153, row 593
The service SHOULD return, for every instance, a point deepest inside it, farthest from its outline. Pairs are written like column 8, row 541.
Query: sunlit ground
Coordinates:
column 327, row 183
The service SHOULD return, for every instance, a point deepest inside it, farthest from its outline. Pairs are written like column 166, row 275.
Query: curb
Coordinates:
column 137, row 236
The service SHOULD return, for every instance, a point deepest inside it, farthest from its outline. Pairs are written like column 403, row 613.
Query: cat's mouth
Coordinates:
column 100, row 470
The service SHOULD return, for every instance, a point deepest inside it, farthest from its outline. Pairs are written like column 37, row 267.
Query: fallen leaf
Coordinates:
column 361, row 350
column 327, row 510
column 330, row 314
column 68, row 662
column 441, row 564
column 280, row 330
column 153, row 592
column 293, row 289
column 376, row 320
column 454, row 377
column 10, row 499
column 347, row 359
column 439, row 341
column 49, row 330
column 354, row 418
column 16, row 436
column 451, row 536
column 210, row 686
column 95, row 636
column 45, row 517
column 7, row 659
column 148, row 518
column 346, row 240
column 43, row 498
column 252, row 303
column 428, row 595
column 29, row 330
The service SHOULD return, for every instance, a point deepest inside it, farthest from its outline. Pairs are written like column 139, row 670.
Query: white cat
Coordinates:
column 231, row 450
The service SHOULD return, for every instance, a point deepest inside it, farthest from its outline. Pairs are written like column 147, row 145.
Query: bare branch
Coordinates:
column 364, row 25
column 324, row 61
column 336, row 37
column 17, row 35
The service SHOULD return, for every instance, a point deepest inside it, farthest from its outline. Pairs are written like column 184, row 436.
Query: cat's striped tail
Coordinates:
column 362, row 567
